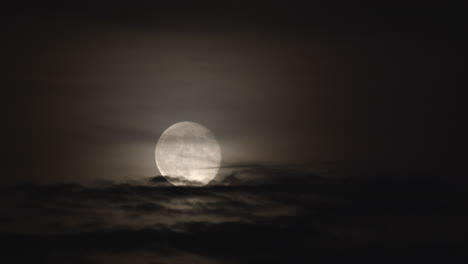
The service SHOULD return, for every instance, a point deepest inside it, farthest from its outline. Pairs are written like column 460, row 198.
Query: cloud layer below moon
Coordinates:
column 252, row 212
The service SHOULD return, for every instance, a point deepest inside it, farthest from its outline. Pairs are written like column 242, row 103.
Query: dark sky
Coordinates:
column 339, row 124
column 89, row 88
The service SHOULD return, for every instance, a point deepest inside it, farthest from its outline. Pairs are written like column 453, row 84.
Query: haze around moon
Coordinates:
column 188, row 154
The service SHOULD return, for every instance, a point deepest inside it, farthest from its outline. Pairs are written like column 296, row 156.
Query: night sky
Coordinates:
column 339, row 126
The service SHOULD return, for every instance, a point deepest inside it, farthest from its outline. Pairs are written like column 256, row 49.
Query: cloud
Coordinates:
column 157, row 205
column 182, row 181
column 256, row 211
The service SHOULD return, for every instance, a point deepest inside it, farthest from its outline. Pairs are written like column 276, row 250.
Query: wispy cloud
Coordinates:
column 253, row 212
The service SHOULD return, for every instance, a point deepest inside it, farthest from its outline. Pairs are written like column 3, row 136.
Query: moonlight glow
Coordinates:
column 187, row 153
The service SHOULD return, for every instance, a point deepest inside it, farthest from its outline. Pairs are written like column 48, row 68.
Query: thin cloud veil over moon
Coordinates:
column 188, row 153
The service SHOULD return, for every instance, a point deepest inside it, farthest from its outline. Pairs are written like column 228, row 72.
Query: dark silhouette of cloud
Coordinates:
column 252, row 214
column 241, row 221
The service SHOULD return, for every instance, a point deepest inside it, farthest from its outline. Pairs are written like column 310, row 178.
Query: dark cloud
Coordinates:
column 181, row 180
column 236, row 222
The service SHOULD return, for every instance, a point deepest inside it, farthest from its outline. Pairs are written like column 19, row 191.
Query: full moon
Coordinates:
column 187, row 153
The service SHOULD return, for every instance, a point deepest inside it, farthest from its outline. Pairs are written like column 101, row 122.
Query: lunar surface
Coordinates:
column 187, row 153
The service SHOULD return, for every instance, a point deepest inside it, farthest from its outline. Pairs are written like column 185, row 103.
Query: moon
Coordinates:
column 188, row 154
